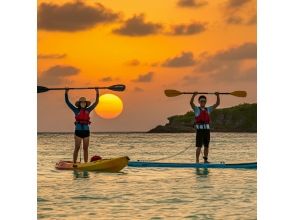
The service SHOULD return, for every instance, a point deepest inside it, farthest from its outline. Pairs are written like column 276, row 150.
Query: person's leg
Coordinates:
column 206, row 145
column 198, row 150
column 198, row 144
column 78, row 141
column 85, row 147
column 205, row 154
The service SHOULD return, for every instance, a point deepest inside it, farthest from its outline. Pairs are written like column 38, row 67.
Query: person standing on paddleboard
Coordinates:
column 202, row 120
column 82, row 111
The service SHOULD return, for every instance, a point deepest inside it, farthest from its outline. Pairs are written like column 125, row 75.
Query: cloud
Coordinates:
column 224, row 71
column 236, row 4
column 145, row 77
column 234, row 19
column 252, row 20
column 136, row 26
column 184, row 60
column 240, row 12
column 244, row 51
column 232, row 71
column 237, row 53
column 57, row 74
column 106, row 79
column 226, row 65
column 191, row 3
column 190, row 79
column 137, row 89
column 51, row 56
column 73, row 16
column 133, row 62
column 187, row 29
column 249, row 74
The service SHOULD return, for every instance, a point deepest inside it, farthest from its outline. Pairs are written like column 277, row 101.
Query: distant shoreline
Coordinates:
column 241, row 118
column 141, row 132
column 237, row 119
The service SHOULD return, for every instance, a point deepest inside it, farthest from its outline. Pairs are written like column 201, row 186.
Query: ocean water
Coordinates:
column 148, row 193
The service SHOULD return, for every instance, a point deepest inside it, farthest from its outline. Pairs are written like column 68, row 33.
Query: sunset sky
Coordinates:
column 149, row 46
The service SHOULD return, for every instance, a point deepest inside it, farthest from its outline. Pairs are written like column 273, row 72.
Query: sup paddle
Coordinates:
column 173, row 93
column 118, row 88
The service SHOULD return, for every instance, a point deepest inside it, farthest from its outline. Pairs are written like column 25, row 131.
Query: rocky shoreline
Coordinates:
column 240, row 118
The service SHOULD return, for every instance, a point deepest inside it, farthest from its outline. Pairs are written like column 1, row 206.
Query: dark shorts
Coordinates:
column 82, row 133
column 202, row 137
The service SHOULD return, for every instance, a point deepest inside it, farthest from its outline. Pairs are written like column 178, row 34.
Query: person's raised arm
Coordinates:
column 192, row 101
column 96, row 101
column 217, row 101
column 71, row 106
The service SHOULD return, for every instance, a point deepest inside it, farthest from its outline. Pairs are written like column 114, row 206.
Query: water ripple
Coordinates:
column 156, row 193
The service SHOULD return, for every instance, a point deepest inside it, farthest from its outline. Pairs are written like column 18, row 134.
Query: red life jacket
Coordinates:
column 203, row 117
column 83, row 117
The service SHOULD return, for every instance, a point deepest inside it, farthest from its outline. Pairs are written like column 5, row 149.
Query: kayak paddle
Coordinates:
column 118, row 88
column 173, row 93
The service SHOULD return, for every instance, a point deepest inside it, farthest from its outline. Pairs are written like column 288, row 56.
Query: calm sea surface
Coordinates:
column 153, row 193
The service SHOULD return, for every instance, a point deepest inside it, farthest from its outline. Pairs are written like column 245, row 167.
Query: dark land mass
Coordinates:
column 240, row 118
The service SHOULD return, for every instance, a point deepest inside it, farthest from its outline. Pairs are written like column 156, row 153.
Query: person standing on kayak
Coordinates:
column 202, row 120
column 82, row 111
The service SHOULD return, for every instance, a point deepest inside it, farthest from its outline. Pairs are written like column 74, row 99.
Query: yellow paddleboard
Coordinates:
column 104, row 165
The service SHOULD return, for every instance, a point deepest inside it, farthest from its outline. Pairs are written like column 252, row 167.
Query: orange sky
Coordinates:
column 149, row 46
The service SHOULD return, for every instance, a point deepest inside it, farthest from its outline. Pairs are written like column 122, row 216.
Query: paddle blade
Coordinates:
column 119, row 88
column 239, row 93
column 172, row 93
column 41, row 89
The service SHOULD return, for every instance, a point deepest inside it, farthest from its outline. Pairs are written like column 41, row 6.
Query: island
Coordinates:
column 240, row 118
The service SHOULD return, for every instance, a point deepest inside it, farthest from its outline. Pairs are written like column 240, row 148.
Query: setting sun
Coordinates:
column 110, row 106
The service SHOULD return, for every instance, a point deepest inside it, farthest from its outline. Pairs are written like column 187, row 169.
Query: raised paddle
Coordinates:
column 173, row 93
column 118, row 88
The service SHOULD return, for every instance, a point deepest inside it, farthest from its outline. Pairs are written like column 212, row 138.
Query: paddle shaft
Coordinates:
column 173, row 93
column 118, row 88
column 78, row 88
column 207, row 93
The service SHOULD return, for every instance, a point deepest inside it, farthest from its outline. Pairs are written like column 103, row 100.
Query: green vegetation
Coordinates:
column 241, row 118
